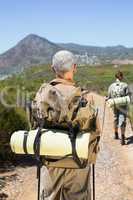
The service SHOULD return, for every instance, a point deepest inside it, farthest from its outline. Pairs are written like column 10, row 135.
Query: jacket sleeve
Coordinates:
column 109, row 91
column 94, row 146
column 127, row 90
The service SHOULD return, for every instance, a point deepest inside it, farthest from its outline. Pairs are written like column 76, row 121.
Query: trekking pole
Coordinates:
column 39, row 180
column 104, row 116
column 93, row 181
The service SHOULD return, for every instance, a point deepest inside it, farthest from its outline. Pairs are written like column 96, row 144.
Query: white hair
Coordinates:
column 63, row 61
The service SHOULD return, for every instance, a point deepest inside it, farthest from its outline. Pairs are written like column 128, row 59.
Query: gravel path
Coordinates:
column 114, row 174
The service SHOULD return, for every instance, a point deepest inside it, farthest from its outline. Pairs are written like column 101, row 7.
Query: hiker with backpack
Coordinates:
column 118, row 90
column 64, row 106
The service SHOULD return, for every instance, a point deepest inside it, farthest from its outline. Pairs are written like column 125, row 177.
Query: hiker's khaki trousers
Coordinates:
column 65, row 184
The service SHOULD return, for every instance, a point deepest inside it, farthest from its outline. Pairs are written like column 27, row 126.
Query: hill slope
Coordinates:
column 29, row 51
column 114, row 52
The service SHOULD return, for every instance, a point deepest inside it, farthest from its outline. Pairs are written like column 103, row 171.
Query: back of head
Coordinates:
column 63, row 61
column 119, row 75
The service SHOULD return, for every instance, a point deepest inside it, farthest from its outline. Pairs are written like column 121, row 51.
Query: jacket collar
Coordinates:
column 117, row 80
column 62, row 81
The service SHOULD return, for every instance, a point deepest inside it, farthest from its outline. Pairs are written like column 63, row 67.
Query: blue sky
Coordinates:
column 90, row 22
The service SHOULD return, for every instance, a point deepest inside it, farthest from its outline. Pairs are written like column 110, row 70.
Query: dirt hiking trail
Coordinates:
column 114, row 168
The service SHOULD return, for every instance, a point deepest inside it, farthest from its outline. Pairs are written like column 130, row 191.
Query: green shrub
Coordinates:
column 11, row 120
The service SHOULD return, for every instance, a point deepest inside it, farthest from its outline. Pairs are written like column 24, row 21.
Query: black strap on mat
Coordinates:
column 72, row 136
column 37, row 155
column 25, row 143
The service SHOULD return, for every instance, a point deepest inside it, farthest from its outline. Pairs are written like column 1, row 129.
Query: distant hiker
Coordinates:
column 116, row 90
column 62, row 104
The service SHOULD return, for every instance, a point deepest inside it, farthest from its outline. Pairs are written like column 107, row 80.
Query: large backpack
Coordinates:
column 60, row 106
column 119, row 89
column 64, row 106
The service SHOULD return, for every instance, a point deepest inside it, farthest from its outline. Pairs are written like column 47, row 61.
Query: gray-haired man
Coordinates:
column 57, row 181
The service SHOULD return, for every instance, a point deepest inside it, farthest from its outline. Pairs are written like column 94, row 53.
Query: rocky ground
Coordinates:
column 114, row 169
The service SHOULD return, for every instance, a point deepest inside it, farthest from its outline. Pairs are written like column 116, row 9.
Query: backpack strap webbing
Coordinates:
column 72, row 136
column 54, row 83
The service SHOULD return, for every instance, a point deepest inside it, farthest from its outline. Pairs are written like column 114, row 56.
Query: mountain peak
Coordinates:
column 31, row 50
column 33, row 37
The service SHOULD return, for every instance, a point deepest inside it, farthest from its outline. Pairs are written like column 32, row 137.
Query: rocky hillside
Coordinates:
column 29, row 51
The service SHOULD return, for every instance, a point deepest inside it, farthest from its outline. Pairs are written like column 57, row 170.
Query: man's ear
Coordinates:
column 53, row 69
column 75, row 68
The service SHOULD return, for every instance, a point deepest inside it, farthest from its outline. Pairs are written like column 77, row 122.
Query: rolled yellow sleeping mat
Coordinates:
column 53, row 143
column 130, row 114
column 119, row 101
